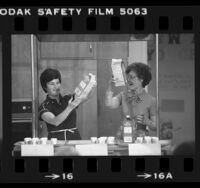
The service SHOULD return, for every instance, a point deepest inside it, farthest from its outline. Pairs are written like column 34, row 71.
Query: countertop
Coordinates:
column 67, row 148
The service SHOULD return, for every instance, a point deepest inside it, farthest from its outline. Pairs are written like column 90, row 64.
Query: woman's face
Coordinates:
column 53, row 87
column 133, row 81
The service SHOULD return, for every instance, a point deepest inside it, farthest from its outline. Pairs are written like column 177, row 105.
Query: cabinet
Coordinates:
column 21, row 50
column 57, row 54
column 63, row 50
column 21, row 67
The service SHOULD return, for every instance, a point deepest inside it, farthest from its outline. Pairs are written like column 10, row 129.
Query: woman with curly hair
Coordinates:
column 134, row 100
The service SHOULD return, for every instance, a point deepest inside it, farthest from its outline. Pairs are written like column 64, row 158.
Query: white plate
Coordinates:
column 19, row 143
column 165, row 142
column 78, row 142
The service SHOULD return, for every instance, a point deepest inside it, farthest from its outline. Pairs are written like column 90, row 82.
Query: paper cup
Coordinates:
column 27, row 140
column 102, row 140
column 54, row 141
column 43, row 140
column 147, row 139
column 111, row 140
column 35, row 140
column 93, row 139
column 139, row 140
column 154, row 140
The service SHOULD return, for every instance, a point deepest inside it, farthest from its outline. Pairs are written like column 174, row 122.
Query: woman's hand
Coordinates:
column 85, row 96
column 111, row 83
column 140, row 119
column 74, row 103
column 119, row 134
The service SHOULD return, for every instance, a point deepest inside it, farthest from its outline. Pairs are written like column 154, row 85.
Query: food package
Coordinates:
column 117, row 72
column 37, row 150
column 85, row 86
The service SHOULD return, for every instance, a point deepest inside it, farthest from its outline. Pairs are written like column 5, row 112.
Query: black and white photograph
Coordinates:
column 102, row 95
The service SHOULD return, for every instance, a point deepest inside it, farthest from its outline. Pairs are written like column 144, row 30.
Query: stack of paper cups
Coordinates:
column 54, row 141
column 139, row 140
column 35, row 140
column 43, row 140
column 27, row 140
column 93, row 139
column 154, row 140
column 102, row 140
column 147, row 139
column 111, row 140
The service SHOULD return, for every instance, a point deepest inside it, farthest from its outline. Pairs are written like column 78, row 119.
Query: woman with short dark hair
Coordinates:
column 48, row 75
column 59, row 112
column 135, row 101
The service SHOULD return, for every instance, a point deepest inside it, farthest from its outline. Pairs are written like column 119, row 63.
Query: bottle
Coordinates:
column 127, row 130
column 141, row 128
column 134, row 128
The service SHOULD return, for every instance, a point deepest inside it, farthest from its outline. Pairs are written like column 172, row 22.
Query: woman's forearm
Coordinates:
column 57, row 120
column 151, row 123
column 111, row 102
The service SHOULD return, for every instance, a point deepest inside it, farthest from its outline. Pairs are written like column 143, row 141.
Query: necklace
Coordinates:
column 132, row 96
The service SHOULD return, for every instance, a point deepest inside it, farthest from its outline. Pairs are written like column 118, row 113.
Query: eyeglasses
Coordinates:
column 131, row 77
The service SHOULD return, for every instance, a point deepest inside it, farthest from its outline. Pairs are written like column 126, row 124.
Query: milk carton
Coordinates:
column 117, row 72
column 86, row 85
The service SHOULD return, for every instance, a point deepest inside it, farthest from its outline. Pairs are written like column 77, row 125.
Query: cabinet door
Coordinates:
column 75, row 50
column 21, row 67
column 21, row 50
column 21, row 82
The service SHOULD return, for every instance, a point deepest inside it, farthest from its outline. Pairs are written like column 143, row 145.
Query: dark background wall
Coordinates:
column 1, row 106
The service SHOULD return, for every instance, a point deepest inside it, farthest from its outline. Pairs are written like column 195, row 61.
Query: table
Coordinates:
column 63, row 148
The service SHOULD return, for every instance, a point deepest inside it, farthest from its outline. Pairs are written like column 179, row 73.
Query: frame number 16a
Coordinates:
column 157, row 176
column 162, row 176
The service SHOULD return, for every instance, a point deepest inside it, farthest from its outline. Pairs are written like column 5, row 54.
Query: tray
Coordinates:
column 165, row 142
column 18, row 143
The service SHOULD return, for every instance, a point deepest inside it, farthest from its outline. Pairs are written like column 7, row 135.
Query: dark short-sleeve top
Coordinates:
column 51, row 105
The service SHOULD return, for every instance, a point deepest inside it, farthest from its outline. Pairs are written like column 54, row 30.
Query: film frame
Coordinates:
column 98, row 169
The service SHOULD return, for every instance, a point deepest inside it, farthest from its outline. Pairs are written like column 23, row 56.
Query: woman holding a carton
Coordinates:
column 59, row 112
column 134, row 100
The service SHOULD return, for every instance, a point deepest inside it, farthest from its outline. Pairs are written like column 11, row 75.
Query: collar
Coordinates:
column 49, row 99
column 134, row 97
column 142, row 93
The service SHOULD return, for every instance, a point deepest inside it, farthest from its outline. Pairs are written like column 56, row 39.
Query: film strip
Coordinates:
column 77, row 40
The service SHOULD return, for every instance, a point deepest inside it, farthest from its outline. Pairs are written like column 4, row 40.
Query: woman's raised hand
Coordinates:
column 111, row 83
column 74, row 103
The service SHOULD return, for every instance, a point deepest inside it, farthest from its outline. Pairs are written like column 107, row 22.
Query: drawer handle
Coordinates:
column 90, row 48
column 22, row 121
